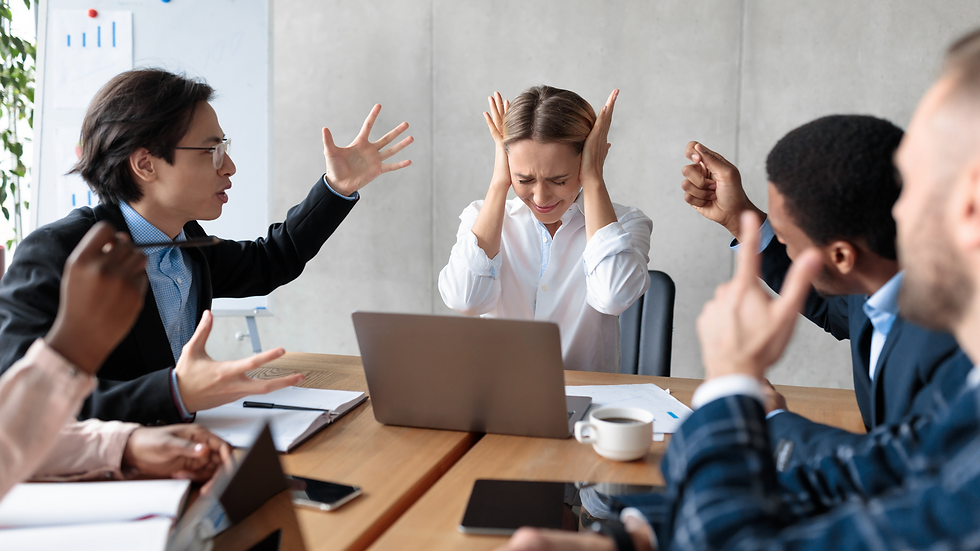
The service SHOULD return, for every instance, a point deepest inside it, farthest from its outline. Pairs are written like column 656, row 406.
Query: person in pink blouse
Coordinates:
column 101, row 295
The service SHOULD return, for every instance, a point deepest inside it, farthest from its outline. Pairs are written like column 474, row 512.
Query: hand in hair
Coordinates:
column 490, row 222
column 713, row 187
column 205, row 383
column 355, row 166
column 101, row 295
column 743, row 330
column 599, row 211
column 597, row 144
column 495, row 122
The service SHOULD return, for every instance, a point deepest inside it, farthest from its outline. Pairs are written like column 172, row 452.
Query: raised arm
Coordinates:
column 490, row 221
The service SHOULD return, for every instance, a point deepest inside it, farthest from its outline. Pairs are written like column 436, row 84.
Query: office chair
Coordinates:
column 645, row 329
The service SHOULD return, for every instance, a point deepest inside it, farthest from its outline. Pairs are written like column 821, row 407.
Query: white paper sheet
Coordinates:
column 237, row 424
column 668, row 412
column 144, row 535
column 85, row 52
column 56, row 503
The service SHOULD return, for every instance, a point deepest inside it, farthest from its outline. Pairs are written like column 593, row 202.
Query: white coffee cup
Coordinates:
column 621, row 434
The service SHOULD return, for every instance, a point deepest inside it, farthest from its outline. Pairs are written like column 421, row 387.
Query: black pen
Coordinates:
column 195, row 242
column 268, row 405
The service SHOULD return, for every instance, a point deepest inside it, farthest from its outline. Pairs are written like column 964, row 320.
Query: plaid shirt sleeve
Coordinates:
column 724, row 493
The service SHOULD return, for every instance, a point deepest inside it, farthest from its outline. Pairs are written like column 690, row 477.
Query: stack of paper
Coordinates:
column 668, row 412
column 236, row 424
column 134, row 514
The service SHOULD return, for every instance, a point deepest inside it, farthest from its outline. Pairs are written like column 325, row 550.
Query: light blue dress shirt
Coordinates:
column 175, row 288
column 882, row 309
column 174, row 281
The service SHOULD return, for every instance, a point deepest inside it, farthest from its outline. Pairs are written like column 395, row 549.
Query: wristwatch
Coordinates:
column 614, row 529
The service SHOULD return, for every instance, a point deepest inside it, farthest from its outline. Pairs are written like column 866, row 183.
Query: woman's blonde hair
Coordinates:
column 549, row 115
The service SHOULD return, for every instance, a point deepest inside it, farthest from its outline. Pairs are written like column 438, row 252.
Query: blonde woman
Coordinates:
column 561, row 250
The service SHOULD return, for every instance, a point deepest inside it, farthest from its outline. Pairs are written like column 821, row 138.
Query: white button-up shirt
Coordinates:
column 582, row 286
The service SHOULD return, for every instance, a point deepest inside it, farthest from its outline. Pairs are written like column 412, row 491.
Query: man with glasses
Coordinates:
column 153, row 151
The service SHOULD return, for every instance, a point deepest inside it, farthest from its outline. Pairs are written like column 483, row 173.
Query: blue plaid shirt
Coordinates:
column 910, row 486
column 175, row 288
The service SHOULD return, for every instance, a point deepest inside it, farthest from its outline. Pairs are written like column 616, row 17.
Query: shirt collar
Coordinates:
column 885, row 299
column 145, row 232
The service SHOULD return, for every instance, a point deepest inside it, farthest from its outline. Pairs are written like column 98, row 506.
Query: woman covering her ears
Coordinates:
column 561, row 250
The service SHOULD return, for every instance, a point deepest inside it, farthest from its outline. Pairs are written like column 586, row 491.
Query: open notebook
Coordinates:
column 131, row 515
column 236, row 424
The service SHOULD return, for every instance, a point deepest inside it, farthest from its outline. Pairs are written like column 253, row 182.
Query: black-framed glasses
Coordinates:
column 217, row 152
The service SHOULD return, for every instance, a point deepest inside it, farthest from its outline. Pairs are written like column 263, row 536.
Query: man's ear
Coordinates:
column 842, row 255
column 143, row 165
column 965, row 207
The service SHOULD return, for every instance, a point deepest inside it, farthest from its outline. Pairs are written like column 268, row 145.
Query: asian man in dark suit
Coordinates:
column 832, row 186
column 153, row 151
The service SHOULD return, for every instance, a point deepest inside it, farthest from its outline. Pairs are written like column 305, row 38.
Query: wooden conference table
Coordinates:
column 416, row 481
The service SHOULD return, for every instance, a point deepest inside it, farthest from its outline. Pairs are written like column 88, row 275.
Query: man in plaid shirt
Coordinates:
column 912, row 486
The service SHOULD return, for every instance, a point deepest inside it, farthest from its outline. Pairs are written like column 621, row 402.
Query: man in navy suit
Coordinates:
column 832, row 187
column 914, row 486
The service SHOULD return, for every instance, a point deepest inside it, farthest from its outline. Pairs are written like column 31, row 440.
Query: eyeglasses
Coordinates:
column 217, row 152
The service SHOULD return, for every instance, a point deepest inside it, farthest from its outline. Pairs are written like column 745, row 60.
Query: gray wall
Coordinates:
column 736, row 75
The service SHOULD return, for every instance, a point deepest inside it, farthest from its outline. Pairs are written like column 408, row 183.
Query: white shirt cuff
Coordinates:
column 475, row 258
column 774, row 413
column 609, row 240
column 766, row 236
column 729, row 385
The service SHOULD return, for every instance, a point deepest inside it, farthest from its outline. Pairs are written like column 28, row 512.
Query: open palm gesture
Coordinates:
column 355, row 166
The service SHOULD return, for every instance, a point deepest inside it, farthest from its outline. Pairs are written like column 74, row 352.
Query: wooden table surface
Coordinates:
column 431, row 523
column 416, row 481
column 393, row 466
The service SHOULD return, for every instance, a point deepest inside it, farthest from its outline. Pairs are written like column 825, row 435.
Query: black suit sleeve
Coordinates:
column 255, row 268
column 29, row 298
column 30, row 289
column 830, row 313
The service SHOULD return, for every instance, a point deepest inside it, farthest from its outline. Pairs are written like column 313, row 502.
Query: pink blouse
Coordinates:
column 39, row 399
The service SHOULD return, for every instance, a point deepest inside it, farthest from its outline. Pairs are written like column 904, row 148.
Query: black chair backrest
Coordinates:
column 646, row 328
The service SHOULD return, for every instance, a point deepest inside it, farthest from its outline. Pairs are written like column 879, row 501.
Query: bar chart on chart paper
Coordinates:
column 85, row 52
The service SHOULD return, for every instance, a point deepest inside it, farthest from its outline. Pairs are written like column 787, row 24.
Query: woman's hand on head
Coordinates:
column 495, row 122
column 597, row 145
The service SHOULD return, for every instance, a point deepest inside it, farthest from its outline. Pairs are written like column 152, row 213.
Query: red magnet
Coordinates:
column 92, row 13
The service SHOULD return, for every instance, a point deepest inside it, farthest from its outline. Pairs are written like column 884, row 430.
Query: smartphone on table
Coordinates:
column 500, row 507
column 320, row 494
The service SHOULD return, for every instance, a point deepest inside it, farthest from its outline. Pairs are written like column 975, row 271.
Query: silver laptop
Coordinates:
column 467, row 374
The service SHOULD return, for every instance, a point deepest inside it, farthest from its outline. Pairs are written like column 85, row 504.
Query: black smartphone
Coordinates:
column 500, row 507
column 320, row 494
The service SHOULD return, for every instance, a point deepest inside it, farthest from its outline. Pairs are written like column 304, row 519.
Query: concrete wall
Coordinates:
column 736, row 75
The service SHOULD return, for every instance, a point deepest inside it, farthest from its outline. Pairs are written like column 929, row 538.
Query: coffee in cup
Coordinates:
column 621, row 434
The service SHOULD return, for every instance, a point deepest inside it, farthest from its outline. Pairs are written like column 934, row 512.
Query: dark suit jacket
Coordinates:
column 916, row 366
column 134, row 382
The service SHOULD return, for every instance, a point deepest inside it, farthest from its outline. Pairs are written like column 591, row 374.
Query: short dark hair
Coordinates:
column 149, row 108
column 839, row 181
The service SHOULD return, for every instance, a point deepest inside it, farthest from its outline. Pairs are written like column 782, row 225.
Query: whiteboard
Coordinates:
column 225, row 42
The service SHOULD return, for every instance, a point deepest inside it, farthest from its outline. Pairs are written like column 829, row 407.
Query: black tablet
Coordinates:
column 500, row 507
